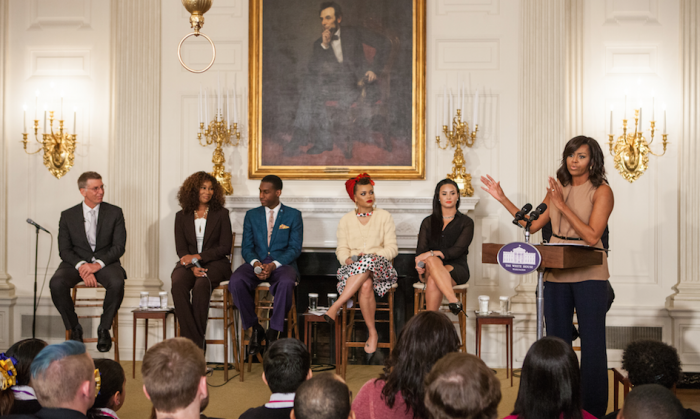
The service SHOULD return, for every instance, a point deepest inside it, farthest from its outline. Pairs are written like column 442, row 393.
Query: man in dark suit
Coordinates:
column 340, row 73
column 91, row 239
column 272, row 238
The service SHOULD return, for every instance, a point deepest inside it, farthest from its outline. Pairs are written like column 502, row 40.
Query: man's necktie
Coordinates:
column 92, row 229
column 270, row 226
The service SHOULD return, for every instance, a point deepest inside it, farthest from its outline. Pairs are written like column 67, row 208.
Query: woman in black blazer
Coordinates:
column 202, row 232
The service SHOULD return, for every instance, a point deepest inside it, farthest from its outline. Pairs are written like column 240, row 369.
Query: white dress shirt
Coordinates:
column 200, row 225
column 337, row 48
column 280, row 400
column 86, row 218
column 275, row 212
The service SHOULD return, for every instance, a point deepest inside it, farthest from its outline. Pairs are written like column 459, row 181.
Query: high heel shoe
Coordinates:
column 368, row 357
column 456, row 308
column 329, row 320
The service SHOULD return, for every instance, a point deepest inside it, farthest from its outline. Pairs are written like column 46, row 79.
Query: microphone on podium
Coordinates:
column 538, row 211
column 257, row 270
column 520, row 214
column 421, row 264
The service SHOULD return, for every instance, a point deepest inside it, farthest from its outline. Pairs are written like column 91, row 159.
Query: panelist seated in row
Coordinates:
column 443, row 245
column 91, row 239
column 203, row 242
column 369, row 234
column 272, row 238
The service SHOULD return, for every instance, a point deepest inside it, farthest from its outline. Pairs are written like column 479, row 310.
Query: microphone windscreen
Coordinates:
column 527, row 208
column 541, row 208
column 257, row 270
column 421, row 264
column 195, row 262
column 355, row 258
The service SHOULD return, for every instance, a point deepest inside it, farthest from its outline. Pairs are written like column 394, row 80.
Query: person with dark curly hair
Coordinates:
column 203, row 241
column 579, row 203
column 111, row 396
column 20, row 398
column 399, row 390
column 652, row 362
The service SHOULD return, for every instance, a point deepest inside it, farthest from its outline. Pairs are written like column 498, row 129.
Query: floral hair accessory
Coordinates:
column 7, row 371
column 350, row 184
column 98, row 382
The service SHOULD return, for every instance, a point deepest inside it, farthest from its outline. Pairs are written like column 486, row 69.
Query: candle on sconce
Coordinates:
column 235, row 104
column 36, row 106
column 639, row 126
column 24, row 119
column 652, row 105
column 625, row 114
column 461, row 96
column 206, row 107
column 664, row 118
column 218, row 96
column 228, row 113
column 61, row 106
column 611, row 118
column 452, row 106
column 444, row 105
column 75, row 111
column 476, row 107
column 199, row 106
column 45, row 118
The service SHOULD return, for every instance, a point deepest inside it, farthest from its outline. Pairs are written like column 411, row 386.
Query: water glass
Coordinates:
column 313, row 301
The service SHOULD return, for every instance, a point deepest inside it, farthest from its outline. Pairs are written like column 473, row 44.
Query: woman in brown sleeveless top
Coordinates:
column 579, row 203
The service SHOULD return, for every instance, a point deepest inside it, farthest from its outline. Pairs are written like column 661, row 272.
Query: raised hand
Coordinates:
column 494, row 189
column 556, row 196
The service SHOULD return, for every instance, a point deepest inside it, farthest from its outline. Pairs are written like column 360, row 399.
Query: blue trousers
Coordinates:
column 242, row 286
column 590, row 299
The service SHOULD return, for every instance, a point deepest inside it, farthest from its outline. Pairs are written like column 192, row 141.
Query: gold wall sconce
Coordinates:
column 219, row 131
column 58, row 146
column 197, row 9
column 630, row 150
column 458, row 135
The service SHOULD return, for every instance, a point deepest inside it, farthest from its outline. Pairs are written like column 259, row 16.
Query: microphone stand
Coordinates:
column 540, row 282
column 36, row 269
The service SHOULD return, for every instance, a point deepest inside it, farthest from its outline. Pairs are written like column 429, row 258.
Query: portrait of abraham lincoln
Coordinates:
column 337, row 88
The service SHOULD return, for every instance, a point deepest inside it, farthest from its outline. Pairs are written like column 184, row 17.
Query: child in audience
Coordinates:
column 398, row 392
column 286, row 365
column 550, row 383
column 18, row 397
column 652, row 362
column 111, row 396
column 462, row 386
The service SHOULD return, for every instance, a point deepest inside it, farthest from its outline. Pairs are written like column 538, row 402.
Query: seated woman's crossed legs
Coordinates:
column 438, row 283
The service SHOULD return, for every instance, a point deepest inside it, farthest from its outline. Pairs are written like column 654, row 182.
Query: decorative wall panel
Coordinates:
column 472, row 54
column 65, row 14
column 59, row 62
column 445, row 7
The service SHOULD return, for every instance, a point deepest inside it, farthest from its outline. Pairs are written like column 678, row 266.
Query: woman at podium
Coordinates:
column 443, row 245
column 366, row 248
column 579, row 203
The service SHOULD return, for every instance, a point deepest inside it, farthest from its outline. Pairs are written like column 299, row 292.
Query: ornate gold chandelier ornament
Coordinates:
column 58, row 146
column 458, row 135
column 219, row 131
column 630, row 150
column 197, row 9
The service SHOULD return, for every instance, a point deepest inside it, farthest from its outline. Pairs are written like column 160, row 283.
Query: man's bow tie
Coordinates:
column 335, row 38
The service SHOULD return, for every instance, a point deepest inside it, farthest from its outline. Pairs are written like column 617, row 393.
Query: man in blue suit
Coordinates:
column 272, row 237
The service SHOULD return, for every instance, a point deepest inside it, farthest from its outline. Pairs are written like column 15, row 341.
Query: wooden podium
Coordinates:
column 558, row 257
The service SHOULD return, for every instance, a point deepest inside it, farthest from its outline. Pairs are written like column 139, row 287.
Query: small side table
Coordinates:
column 308, row 320
column 506, row 319
column 150, row 314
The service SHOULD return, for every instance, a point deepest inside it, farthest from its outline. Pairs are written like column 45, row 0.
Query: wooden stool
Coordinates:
column 347, row 327
column 506, row 319
column 460, row 292
column 150, row 314
column 309, row 319
column 225, row 303
column 620, row 377
column 93, row 302
column 266, row 304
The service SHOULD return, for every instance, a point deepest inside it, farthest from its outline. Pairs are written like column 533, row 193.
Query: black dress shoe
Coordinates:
column 104, row 340
column 256, row 338
column 272, row 335
column 457, row 308
column 76, row 333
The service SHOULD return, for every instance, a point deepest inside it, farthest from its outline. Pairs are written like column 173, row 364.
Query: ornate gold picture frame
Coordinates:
column 337, row 88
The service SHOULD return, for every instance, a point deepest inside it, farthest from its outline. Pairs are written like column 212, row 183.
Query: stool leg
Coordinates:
column 416, row 296
column 344, row 349
column 391, row 320
column 225, row 339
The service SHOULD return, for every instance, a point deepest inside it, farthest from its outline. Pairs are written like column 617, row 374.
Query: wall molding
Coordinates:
column 82, row 19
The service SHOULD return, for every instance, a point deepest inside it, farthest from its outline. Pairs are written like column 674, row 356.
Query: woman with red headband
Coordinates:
column 366, row 247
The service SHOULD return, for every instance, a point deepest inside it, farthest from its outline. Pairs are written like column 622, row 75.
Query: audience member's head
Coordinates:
column 461, row 386
column 112, row 385
column 63, row 376
column 651, row 362
column 22, row 354
column 286, row 365
column 651, row 401
column 550, row 382
column 173, row 377
column 325, row 396
column 427, row 337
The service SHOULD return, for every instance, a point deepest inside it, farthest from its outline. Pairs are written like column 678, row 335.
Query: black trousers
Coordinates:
column 590, row 299
column 111, row 277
